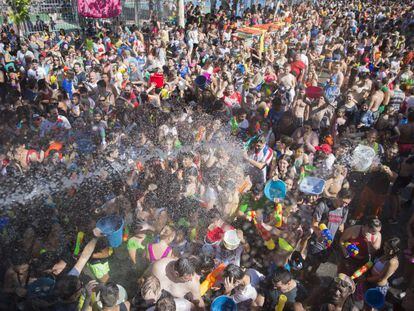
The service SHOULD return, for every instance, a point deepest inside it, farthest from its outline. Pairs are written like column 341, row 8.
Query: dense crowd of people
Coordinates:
column 181, row 135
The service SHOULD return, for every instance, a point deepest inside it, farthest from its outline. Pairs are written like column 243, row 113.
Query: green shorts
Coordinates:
column 99, row 269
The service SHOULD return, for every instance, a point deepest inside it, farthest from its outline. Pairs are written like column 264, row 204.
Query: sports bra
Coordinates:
column 152, row 256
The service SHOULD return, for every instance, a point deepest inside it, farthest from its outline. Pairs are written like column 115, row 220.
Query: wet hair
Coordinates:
column 233, row 271
column 51, row 107
column 166, row 303
column 151, row 285
column 167, row 233
column 281, row 275
column 345, row 193
column 372, row 222
column 203, row 262
column 109, row 294
column 67, row 286
column 394, row 246
column 184, row 266
column 19, row 257
column 76, row 95
column 101, row 83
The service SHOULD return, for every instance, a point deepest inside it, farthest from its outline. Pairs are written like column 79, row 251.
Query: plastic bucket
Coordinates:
column 112, row 227
column 158, row 79
column 314, row 92
column 312, row 185
column 374, row 298
column 275, row 189
column 223, row 303
column 201, row 82
column 362, row 158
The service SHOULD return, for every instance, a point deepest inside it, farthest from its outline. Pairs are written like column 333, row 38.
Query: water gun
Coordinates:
column 234, row 125
column 139, row 166
column 182, row 222
column 251, row 216
column 302, row 173
column 305, row 169
column 278, row 215
column 200, row 133
column 351, row 248
column 249, row 142
column 211, row 279
column 266, row 112
column 327, row 236
column 266, row 236
column 126, row 234
column 281, row 303
column 193, row 234
column 362, row 270
column 178, row 144
column 244, row 186
column 79, row 239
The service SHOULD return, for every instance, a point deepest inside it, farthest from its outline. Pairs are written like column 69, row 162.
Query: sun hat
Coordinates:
column 231, row 241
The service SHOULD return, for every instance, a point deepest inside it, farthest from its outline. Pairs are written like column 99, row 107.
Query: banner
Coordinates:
column 99, row 8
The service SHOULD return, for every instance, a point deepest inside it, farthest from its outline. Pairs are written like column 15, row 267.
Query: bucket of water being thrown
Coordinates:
column 112, row 228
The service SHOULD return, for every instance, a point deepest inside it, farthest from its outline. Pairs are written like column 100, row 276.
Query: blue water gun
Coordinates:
column 327, row 236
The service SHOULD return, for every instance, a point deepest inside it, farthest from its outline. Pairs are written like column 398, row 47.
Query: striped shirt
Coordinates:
column 265, row 155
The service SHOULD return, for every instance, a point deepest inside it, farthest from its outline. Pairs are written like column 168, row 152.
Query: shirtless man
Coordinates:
column 288, row 80
column 376, row 100
column 406, row 135
column 179, row 278
column 300, row 108
column 361, row 89
column 335, row 183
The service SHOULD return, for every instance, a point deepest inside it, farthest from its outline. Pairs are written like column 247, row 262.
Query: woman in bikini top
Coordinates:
column 162, row 249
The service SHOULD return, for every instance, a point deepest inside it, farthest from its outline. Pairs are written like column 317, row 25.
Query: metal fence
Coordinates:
column 63, row 14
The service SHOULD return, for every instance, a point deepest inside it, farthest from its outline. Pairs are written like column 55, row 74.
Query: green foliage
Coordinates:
column 19, row 10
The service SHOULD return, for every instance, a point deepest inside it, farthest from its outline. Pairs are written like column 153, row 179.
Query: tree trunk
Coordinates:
column 213, row 4
column 136, row 14
column 180, row 15
column 235, row 4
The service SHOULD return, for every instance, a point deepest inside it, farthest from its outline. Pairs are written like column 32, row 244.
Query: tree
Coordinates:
column 180, row 15
column 19, row 12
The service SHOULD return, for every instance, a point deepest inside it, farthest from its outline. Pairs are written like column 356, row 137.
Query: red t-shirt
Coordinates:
column 233, row 99
column 297, row 67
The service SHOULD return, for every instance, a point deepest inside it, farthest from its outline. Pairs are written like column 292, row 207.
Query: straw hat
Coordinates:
column 231, row 241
